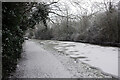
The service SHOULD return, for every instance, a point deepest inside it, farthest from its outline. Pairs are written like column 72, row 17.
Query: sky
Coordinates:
column 88, row 5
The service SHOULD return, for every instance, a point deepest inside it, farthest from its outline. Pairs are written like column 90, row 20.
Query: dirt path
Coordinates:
column 39, row 63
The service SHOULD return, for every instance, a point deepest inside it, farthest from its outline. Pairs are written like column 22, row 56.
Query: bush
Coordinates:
column 12, row 37
column 43, row 34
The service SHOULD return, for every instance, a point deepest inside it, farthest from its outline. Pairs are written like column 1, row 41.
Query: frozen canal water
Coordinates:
column 104, row 58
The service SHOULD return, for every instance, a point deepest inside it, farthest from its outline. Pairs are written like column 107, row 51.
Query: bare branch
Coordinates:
column 56, row 14
column 52, row 3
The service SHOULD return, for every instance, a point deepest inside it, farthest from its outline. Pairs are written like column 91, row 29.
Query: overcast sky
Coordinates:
column 86, row 4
